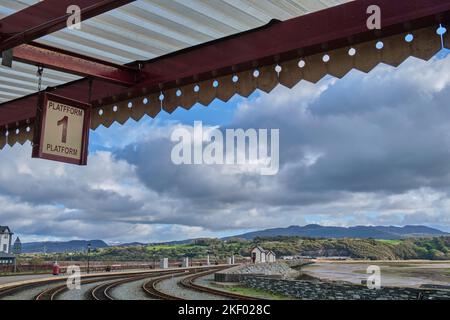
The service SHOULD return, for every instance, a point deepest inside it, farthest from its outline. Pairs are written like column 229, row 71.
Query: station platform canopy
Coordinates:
column 136, row 58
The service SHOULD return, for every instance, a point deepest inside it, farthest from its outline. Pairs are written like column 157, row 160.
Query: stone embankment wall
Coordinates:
column 316, row 290
column 271, row 270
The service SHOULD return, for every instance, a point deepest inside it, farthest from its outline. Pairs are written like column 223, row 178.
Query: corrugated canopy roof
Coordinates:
column 173, row 62
column 146, row 29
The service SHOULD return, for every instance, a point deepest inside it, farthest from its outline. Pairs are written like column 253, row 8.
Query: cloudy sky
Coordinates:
column 365, row 150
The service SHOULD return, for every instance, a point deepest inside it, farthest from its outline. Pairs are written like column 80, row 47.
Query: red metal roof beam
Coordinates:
column 320, row 31
column 46, row 17
column 61, row 60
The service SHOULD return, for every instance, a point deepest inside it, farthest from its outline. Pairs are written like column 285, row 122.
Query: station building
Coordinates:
column 5, row 246
column 5, row 239
column 259, row 255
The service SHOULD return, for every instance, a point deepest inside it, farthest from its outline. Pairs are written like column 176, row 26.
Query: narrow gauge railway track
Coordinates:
column 14, row 289
column 189, row 283
column 23, row 287
column 52, row 293
column 150, row 287
column 102, row 291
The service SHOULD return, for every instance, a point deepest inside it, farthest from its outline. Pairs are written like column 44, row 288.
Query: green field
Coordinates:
column 393, row 242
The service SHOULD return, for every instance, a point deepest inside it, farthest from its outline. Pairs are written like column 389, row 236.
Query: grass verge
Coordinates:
column 258, row 293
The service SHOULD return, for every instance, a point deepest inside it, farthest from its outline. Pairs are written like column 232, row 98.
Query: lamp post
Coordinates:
column 88, row 256
column 208, row 253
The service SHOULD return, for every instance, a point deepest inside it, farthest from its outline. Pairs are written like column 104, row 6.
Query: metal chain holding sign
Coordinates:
column 39, row 74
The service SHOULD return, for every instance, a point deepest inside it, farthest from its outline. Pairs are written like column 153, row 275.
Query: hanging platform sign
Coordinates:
column 62, row 131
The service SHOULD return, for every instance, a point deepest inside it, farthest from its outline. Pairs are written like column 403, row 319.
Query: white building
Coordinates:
column 5, row 239
column 270, row 256
column 164, row 264
column 259, row 255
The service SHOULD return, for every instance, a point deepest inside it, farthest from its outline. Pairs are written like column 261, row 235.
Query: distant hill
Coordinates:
column 181, row 242
column 358, row 232
column 57, row 247
column 130, row 244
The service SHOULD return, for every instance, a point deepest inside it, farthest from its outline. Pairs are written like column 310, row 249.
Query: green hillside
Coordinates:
column 427, row 248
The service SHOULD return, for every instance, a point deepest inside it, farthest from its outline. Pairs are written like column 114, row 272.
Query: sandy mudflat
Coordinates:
column 393, row 273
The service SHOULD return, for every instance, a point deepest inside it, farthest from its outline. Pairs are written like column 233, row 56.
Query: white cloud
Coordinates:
column 367, row 149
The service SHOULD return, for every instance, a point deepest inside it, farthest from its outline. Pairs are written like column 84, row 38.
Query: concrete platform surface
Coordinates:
column 19, row 278
column 9, row 281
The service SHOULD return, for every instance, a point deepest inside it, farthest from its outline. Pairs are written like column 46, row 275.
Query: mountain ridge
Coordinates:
column 61, row 246
column 358, row 232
